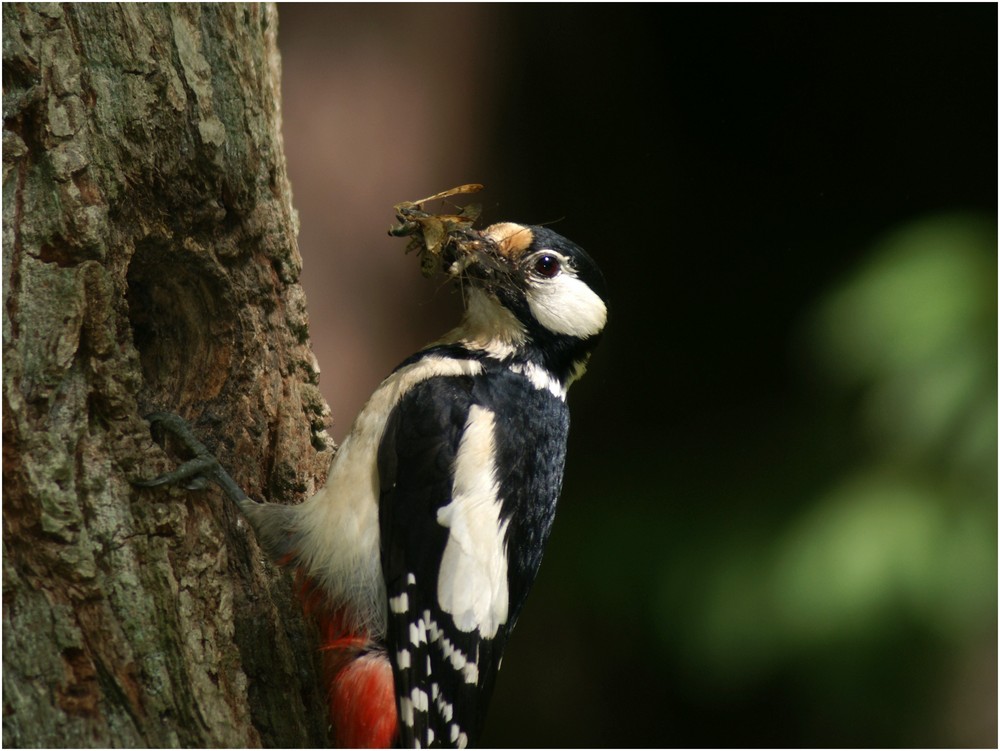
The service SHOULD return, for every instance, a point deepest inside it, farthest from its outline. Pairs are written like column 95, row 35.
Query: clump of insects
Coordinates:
column 431, row 234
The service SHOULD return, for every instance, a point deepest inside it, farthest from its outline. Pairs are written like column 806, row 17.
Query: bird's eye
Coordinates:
column 546, row 266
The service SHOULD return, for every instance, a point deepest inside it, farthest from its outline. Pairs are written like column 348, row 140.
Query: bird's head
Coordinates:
column 533, row 294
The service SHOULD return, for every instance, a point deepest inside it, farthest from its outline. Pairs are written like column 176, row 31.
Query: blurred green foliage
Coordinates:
column 901, row 544
column 914, row 332
column 908, row 529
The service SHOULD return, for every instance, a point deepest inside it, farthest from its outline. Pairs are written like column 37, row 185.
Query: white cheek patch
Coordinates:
column 566, row 305
column 472, row 580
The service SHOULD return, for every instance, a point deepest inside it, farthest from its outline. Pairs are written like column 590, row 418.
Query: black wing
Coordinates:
column 447, row 590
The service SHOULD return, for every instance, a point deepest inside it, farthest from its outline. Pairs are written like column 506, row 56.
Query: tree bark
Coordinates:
column 150, row 263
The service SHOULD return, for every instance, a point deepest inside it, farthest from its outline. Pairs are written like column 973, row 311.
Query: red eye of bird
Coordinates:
column 547, row 266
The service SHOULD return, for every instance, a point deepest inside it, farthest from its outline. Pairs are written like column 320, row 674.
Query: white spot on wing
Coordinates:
column 459, row 662
column 418, row 633
column 399, row 604
column 419, row 699
column 471, row 673
column 472, row 580
column 433, row 632
column 406, row 711
column 454, row 656
column 403, row 658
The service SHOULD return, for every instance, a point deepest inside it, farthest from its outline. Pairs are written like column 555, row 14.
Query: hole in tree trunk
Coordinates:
column 183, row 324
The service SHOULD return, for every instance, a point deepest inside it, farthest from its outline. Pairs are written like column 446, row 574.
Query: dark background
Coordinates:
column 779, row 522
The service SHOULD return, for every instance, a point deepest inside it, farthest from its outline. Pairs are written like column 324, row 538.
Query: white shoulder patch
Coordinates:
column 472, row 580
column 540, row 378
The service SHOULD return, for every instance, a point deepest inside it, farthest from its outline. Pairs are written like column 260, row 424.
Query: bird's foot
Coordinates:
column 197, row 472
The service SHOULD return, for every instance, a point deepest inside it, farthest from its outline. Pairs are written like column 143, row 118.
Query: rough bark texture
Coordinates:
column 150, row 262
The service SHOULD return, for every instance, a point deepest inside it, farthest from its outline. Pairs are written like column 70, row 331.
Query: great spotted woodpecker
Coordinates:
column 419, row 552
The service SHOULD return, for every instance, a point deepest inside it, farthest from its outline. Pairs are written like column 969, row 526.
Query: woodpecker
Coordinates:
column 417, row 555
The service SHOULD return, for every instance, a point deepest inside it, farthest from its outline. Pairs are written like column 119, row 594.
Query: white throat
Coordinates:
column 487, row 325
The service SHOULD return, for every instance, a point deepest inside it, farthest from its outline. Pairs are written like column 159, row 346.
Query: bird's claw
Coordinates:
column 192, row 472
column 196, row 473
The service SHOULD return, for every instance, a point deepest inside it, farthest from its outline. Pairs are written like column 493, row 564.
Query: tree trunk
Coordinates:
column 150, row 263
